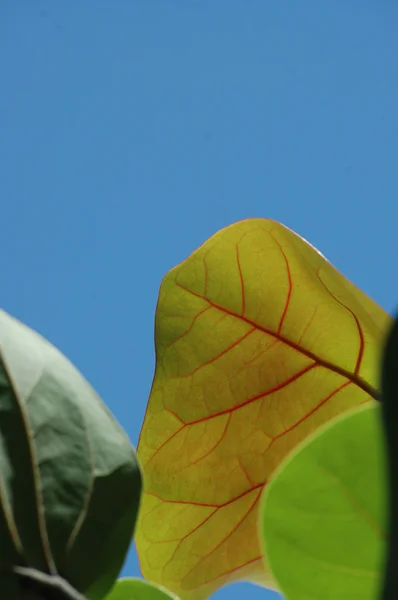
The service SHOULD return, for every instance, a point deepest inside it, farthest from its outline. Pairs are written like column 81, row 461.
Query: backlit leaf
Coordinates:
column 259, row 340
column 131, row 588
column 323, row 515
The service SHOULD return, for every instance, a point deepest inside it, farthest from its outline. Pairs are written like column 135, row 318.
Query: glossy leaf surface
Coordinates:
column 323, row 515
column 69, row 480
column 259, row 340
column 130, row 588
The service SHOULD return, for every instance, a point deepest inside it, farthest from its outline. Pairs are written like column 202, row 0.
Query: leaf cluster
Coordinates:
column 269, row 449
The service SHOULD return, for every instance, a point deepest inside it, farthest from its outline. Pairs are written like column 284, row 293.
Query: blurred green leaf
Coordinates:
column 130, row 588
column 323, row 515
column 41, row 586
column 70, row 483
column 389, row 390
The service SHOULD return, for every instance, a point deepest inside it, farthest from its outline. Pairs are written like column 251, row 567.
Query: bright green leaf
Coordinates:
column 323, row 515
column 130, row 588
column 259, row 341
column 69, row 480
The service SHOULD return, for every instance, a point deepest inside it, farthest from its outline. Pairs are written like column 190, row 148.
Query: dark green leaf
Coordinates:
column 390, row 418
column 22, row 531
column 70, row 482
column 45, row 587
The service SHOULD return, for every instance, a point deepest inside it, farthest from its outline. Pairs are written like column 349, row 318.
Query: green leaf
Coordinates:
column 389, row 390
column 259, row 341
column 323, row 516
column 41, row 585
column 130, row 588
column 69, row 480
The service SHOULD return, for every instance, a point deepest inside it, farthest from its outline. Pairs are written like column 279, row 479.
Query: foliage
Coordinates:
column 323, row 525
column 390, row 419
column 70, row 483
column 131, row 588
column 259, row 341
column 263, row 447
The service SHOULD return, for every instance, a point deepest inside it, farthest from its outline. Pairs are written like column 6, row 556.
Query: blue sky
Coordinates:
column 131, row 131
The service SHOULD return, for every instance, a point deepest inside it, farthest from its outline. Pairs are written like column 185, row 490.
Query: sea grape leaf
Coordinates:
column 131, row 588
column 389, row 410
column 69, row 479
column 259, row 340
column 323, row 514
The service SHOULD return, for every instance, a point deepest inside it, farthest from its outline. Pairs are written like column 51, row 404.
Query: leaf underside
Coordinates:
column 259, row 341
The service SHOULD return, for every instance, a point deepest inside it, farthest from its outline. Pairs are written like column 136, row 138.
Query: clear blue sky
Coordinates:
column 131, row 131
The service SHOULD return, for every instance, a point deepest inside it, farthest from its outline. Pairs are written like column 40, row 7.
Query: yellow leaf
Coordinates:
column 259, row 341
